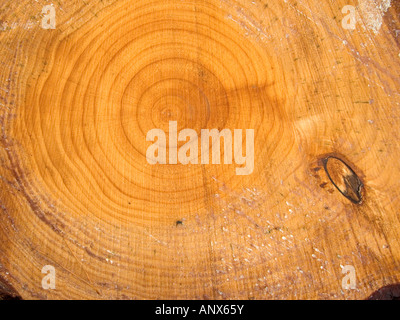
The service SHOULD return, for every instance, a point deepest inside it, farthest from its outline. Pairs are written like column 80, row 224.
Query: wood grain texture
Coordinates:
column 77, row 192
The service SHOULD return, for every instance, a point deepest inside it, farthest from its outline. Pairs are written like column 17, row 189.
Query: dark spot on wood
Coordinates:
column 273, row 229
column 390, row 292
column 344, row 178
column 179, row 223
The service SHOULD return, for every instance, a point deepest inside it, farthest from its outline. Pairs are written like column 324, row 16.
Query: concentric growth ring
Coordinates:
column 112, row 89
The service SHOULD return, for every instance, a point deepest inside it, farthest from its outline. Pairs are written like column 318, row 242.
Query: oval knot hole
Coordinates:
column 344, row 179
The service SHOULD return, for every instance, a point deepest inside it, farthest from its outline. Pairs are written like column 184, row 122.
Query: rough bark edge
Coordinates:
column 7, row 291
column 390, row 292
